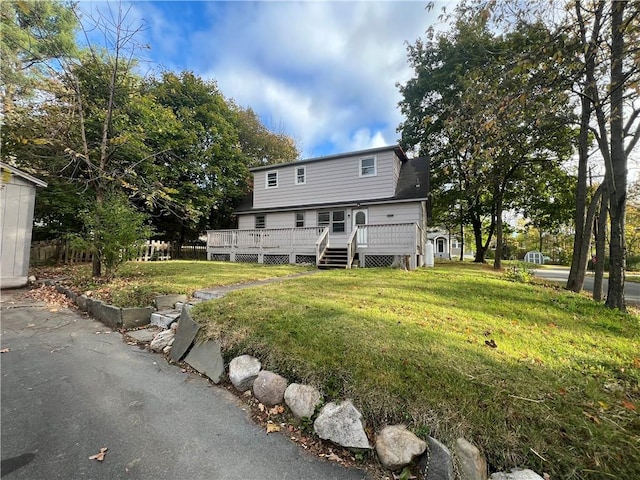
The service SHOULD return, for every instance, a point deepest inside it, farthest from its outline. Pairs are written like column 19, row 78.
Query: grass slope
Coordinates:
column 138, row 283
column 559, row 394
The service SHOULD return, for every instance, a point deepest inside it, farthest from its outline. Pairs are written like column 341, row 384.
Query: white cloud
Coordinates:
column 325, row 72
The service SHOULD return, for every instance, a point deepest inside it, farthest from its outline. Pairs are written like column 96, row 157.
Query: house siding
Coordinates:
column 335, row 180
column 395, row 213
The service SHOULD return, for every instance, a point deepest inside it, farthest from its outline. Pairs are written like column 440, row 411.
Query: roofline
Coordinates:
column 24, row 175
column 396, row 148
column 317, row 206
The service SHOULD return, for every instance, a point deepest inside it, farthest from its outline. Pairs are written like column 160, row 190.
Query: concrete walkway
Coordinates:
column 70, row 387
column 217, row 292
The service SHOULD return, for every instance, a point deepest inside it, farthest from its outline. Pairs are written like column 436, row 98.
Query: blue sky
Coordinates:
column 324, row 73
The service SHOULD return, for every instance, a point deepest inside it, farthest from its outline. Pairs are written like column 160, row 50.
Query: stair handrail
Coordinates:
column 352, row 246
column 321, row 244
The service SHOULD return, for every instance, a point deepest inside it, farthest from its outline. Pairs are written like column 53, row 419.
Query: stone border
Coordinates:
column 338, row 422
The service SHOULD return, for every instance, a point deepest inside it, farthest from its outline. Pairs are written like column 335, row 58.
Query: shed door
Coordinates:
column 360, row 218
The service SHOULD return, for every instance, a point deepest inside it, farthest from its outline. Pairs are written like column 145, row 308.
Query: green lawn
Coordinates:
column 559, row 394
column 138, row 282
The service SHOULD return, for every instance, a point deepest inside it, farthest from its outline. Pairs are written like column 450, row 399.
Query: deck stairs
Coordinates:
column 334, row 258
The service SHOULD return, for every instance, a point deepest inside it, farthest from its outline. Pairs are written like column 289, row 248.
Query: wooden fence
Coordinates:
column 62, row 252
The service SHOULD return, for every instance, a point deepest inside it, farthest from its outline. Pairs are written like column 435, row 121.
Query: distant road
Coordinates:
column 561, row 274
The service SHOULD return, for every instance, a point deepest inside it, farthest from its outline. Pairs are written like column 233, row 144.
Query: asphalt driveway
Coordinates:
column 70, row 386
column 561, row 274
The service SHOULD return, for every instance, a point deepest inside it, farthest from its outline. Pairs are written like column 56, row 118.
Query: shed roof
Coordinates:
column 23, row 175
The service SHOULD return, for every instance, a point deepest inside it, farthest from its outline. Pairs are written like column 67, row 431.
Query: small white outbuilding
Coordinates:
column 534, row 257
column 17, row 201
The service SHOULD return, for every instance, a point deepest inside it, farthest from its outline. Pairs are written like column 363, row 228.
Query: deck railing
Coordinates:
column 405, row 236
column 352, row 246
column 271, row 238
column 321, row 244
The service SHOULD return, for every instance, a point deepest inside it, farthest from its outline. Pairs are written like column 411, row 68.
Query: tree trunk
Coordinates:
column 476, row 223
column 600, row 226
column 582, row 239
column 461, row 241
column 618, row 194
column 497, row 262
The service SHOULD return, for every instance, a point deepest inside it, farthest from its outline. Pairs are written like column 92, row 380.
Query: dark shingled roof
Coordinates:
column 414, row 179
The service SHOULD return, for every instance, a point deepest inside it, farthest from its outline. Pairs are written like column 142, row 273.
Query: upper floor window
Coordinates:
column 261, row 221
column 301, row 175
column 299, row 219
column 272, row 179
column 368, row 167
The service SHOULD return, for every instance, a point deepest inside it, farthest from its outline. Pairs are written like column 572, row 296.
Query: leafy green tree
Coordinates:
column 479, row 107
column 34, row 34
column 259, row 144
column 115, row 231
column 202, row 162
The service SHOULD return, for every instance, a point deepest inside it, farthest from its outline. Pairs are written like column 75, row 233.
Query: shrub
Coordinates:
column 520, row 273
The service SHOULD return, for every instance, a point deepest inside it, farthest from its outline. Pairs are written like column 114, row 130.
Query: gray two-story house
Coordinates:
column 367, row 207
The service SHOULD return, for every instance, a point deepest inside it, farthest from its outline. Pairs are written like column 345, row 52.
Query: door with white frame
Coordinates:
column 360, row 218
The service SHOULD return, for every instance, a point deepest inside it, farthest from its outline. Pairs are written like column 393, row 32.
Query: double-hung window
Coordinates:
column 333, row 219
column 272, row 179
column 368, row 167
column 301, row 175
column 261, row 221
column 299, row 219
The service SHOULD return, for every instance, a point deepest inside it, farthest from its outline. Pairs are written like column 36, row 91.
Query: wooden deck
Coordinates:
column 371, row 245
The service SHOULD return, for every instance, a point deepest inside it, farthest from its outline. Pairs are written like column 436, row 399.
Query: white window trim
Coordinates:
column 375, row 167
column 304, row 169
column 266, row 179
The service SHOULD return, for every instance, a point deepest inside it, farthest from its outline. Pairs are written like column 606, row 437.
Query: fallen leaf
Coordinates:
column 636, row 362
column 491, row 343
column 546, row 476
column 334, row 458
column 277, row 410
column 261, row 407
column 5, row 350
column 593, row 418
column 628, row 405
column 272, row 427
column 99, row 456
column 53, row 310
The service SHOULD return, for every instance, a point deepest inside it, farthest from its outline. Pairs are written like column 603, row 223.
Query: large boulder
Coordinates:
column 516, row 475
column 342, row 424
column 302, row 399
column 269, row 388
column 397, row 447
column 473, row 466
column 243, row 370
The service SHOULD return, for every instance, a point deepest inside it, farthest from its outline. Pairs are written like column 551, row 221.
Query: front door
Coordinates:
column 360, row 218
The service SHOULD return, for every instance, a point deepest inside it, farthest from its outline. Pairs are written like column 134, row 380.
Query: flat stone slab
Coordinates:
column 187, row 330
column 164, row 318
column 109, row 315
column 136, row 317
column 437, row 464
column 206, row 358
column 143, row 336
column 168, row 302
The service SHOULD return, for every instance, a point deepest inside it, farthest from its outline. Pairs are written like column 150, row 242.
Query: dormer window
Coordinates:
column 272, row 179
column 368, row 167
column 301, row 175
